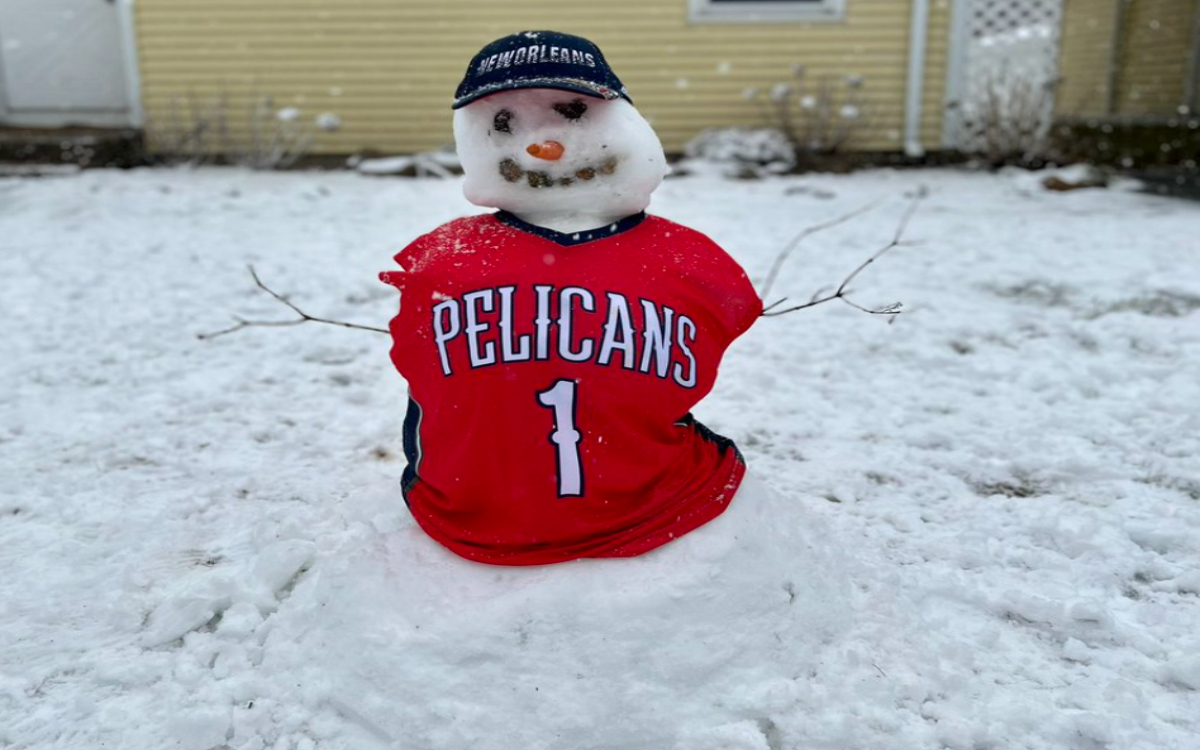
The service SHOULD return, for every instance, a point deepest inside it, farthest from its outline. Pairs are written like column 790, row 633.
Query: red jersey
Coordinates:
column 550, row 379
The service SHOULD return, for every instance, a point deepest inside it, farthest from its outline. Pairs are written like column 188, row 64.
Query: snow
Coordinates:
column 704, row 633
column 204, row 543
column 328, row 121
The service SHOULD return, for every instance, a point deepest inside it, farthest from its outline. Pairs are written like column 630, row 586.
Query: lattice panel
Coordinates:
column 1007, row 54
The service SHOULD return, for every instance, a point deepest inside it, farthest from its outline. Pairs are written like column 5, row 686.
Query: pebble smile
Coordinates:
column 511, row 171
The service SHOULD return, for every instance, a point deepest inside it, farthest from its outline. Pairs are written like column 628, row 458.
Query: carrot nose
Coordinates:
column 548, row 150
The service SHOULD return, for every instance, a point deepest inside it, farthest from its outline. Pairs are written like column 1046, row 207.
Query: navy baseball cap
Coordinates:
column 539, row 60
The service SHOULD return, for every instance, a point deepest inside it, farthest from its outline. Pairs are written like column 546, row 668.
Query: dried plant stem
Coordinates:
column 304, row 317
column 897, row 240
column 791, row 246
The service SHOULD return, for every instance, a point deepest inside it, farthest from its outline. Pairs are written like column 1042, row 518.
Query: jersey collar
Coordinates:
column 567, row 239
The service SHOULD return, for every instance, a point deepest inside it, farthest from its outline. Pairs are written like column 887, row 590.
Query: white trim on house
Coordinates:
column 765, row 11
column 5, row 112
column 918, row 31
column 956, row 69
column 129, row 55
column 1191, row 95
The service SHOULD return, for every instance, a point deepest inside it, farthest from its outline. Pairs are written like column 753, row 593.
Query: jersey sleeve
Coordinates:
column 749, row 304
column 728, row 288
column 408, row 260
column 411, row 280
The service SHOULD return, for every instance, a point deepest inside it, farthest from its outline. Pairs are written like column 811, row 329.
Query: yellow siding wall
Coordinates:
column 1152, row 56
column 1084, row 55
column 388, row 68
column 1155, row 54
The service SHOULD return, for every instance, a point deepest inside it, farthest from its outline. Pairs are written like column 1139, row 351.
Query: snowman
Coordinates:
column 590, row 566
column 554, row 349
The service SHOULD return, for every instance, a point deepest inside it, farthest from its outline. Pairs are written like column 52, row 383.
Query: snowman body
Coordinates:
column 553, row 351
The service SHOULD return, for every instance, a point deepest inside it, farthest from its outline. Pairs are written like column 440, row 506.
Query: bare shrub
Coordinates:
column 1009, row 123
column 203, row 130
column 819, row 117
column 191, row 131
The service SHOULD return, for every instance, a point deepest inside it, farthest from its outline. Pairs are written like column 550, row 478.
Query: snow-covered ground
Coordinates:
column 1011, row 469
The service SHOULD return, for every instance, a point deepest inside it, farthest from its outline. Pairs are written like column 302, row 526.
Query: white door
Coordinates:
column 66, row 62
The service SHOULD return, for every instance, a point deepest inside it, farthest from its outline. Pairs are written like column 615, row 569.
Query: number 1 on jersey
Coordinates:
column 561, row 398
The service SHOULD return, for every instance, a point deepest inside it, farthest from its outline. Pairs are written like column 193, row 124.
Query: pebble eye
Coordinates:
column 502, row 122
column 571, row 110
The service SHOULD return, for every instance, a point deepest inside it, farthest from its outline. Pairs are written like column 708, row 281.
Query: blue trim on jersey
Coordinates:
column 567, row 239
column 723, row 443
column 412, row 447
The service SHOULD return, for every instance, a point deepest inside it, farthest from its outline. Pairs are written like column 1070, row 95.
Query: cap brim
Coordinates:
column 561, row 84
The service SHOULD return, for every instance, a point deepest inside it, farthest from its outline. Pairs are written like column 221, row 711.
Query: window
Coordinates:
column 765, row 11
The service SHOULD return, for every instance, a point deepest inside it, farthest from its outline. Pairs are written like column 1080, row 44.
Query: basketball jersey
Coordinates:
column 551, row 377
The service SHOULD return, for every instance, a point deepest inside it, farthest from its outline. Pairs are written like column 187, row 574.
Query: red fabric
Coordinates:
column 489, row 478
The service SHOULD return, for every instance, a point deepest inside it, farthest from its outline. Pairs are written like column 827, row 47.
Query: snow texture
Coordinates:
column 992, row 506
column 710, row 629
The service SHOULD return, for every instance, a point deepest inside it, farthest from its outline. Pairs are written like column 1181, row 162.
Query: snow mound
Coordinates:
column 431, row 163
column 740, row 150
column 700, row 636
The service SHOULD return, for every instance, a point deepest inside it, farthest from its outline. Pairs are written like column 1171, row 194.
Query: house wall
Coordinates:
column 1155, row 55
column 1151, row 53
column 1085, row 53
column 388, row 68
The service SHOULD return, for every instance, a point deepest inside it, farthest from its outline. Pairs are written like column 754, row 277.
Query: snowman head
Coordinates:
column 545, row 130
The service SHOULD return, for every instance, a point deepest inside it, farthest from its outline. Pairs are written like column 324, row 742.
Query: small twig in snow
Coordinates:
column 791, row 246
column 304, row 317
column 897, row 240
column 776, row 303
